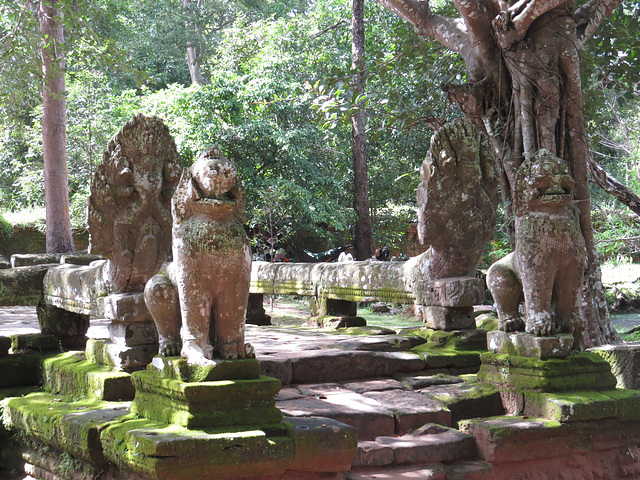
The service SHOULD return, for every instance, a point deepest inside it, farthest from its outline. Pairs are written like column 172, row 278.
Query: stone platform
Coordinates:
column 414, row 401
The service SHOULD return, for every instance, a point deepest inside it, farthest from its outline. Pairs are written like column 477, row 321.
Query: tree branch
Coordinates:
column 613, row 187
column 451, row 32
column 590, row 16
column 512, row 24
column 339, row 23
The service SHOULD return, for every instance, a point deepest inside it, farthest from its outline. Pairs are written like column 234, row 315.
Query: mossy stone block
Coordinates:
column 459, row 339
column 5, row 345
column 437, row 357
column 178, row 368
column 577, row 372
column 467, row 399
column 206, row 404
column 73, row 376
column 20, row 369
column 37, row 342
column 570, row 406
column 524, row 344
column 72, row 427
column 627, row 402
column 22, row 285
column 157, row 450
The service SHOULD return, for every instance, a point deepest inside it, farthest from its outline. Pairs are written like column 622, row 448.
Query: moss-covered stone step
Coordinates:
column 467, row 399
column 170, row 452
column 437, row 357
column 20, row 369
column 73, row 376
column 178, row 368
column 585, row 371
column 70, row 427
column 578, row 406
column 205, row 404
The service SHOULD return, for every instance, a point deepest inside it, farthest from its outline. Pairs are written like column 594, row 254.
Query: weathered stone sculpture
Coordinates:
column 547, row 265
column 457, row 199
column 129, row 214
column 207, row 285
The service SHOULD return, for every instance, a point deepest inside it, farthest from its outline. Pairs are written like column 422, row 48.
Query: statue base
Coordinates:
column 579, row 387
column 584, row 371
column 446, row 318
column 122, row 357
column 556, row 346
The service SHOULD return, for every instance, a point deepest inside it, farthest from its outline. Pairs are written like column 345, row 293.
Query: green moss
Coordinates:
column 571, row 407
column 73, row 427
column 21, row 369
column 447, row 357
column 366, row 330
column 503, row 427
column 205, row 404
column 71, row 375
column 577, row 372
column 157, row 450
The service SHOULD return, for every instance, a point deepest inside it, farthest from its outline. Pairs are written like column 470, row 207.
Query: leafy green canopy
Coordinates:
column 278, row 100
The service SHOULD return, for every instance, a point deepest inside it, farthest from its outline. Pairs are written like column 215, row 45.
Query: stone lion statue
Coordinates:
column 199, row 301
column 546, row 269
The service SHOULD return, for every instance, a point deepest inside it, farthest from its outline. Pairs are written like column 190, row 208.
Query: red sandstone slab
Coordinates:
column 425, row 449
column 378, row 385
column 289, row 393
column 423, row 381
column 341, row 366
column 380, row 343
column 365, row 414
column 277, row 366
column 432, row 472
column 412, row 410
column 373, row 454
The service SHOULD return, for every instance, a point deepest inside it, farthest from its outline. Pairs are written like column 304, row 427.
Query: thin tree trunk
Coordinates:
column 194, row 58
column 362, row 242
column 54, row 130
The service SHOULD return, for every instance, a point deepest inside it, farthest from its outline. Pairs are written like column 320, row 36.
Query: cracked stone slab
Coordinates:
column 412, row 410
column 365, row 414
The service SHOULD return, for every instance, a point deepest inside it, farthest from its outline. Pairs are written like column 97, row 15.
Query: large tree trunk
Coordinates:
column 54, row 130
column 362, row 242
column 523, row 90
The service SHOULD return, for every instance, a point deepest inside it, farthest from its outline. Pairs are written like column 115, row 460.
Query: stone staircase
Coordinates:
column 417, row 407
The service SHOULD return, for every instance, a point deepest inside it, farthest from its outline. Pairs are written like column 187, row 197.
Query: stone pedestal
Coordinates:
column 334, row 313
column 538, row 377
column 133, row 338
column 69, row 328
column 446, row 318
column 256, row 314
column 556, row 346
column 225, row 393
column 447, row 303
column 220, row 421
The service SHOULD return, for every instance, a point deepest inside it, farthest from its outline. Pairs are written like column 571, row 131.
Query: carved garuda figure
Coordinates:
column 206, row 288
column 457, row 199
column 547, row 265
column 129, row 215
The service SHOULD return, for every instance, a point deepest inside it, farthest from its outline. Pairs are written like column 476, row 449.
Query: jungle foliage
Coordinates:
column 277, row 98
